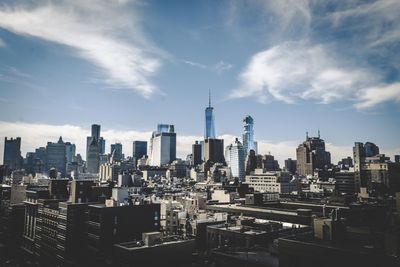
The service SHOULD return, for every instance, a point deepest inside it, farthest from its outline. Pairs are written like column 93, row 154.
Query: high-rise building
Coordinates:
column 269, row 163
column 210, row 128
column 102, row 146
column 311, row 155
column 291, row 165
column 253, row 161
column 163, row 145
column 139, row 149
column 96, row 131
column 94, row 144
column 397, row 158
column 214, row 150
column 235, row 156
column 93, row 157
column 196, row 154
column 70, row 152
column 56, row 157
column 248, row 136
column 374, row 171
column 116, row 151
column 12, row 153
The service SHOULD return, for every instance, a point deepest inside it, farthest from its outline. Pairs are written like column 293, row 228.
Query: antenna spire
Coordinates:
column 319, row 135
column 209, row 98
column 307, row 134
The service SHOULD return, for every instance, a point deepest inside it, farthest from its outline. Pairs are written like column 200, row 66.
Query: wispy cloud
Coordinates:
column 373, row 96
column 302, row 62
column 195, row 64
column 298, row 70
column 106, row 33
column 218, row 68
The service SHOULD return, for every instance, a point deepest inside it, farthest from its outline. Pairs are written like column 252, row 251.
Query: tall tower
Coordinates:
column 248, row 136
column 210, row 129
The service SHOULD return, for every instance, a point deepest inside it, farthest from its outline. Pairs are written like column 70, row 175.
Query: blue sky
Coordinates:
column 128, row 65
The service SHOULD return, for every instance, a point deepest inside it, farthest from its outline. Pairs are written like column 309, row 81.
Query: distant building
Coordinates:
column 12, row 153
column 56, row 156
column 94, row 143
column 248, row 136
column 280, row 182
column 269, row 163
column 139, row 149
column 209, row 131
column 92, row 157
column 397, row 158
column 163, row 145
column 253, row 161
column 235, row 157
column 116, row 151
column 214, row 150
column 291, row 165
column 196, row 154
column 374, row 171
column 311, row 155
column 70, row 151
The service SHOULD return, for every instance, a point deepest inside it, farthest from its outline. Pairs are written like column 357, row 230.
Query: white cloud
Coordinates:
column 106, row 33
column 375, row 95
column 194, row 64
column 297, row 70
column 221, row 67
column 37, row 135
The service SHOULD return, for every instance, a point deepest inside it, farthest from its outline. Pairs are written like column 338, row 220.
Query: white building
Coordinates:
column 235, row 158
column 277, row 181
column 163, row 145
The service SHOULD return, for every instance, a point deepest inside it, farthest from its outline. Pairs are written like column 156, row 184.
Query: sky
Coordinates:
column 293, row 65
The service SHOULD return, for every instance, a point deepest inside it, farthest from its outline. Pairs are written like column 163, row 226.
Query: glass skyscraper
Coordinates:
column 210, row 129
column 248, row 136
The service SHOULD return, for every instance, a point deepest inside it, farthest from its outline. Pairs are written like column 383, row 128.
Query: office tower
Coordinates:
column 269, row 163
column 70, row 152
column 248, row 136
column 210, row 128
column 253, row 161
column 373, row 171
column 371, row 149
column 163, row 145
column 291, row 165
column 116, row 152
column 214, row 150
column 96, row 131
column 12, row 153
column 235, row 156
column 311, row 155
column 102, row 146
column 397, row 158
column 93, row 157
column 196, row 154
column 139, row 149
column 56, row 156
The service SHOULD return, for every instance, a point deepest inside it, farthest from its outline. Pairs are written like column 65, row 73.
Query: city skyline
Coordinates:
column 158, row 61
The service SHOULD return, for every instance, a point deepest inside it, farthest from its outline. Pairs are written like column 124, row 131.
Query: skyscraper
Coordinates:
column 196, row 153
column 12, row 153
column 248, row 136
column 94, row 143
column 56, row 156
column 139, row 149
column 311, row 155
column 96, row 131
column 214, row 150
column 210, row 128
column 93, row 157
column 116, row 151
column 163, row 145
column 235, row 157
column 70, row 152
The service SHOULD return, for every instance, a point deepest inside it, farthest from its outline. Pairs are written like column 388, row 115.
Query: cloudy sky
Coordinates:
column 293, row 65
